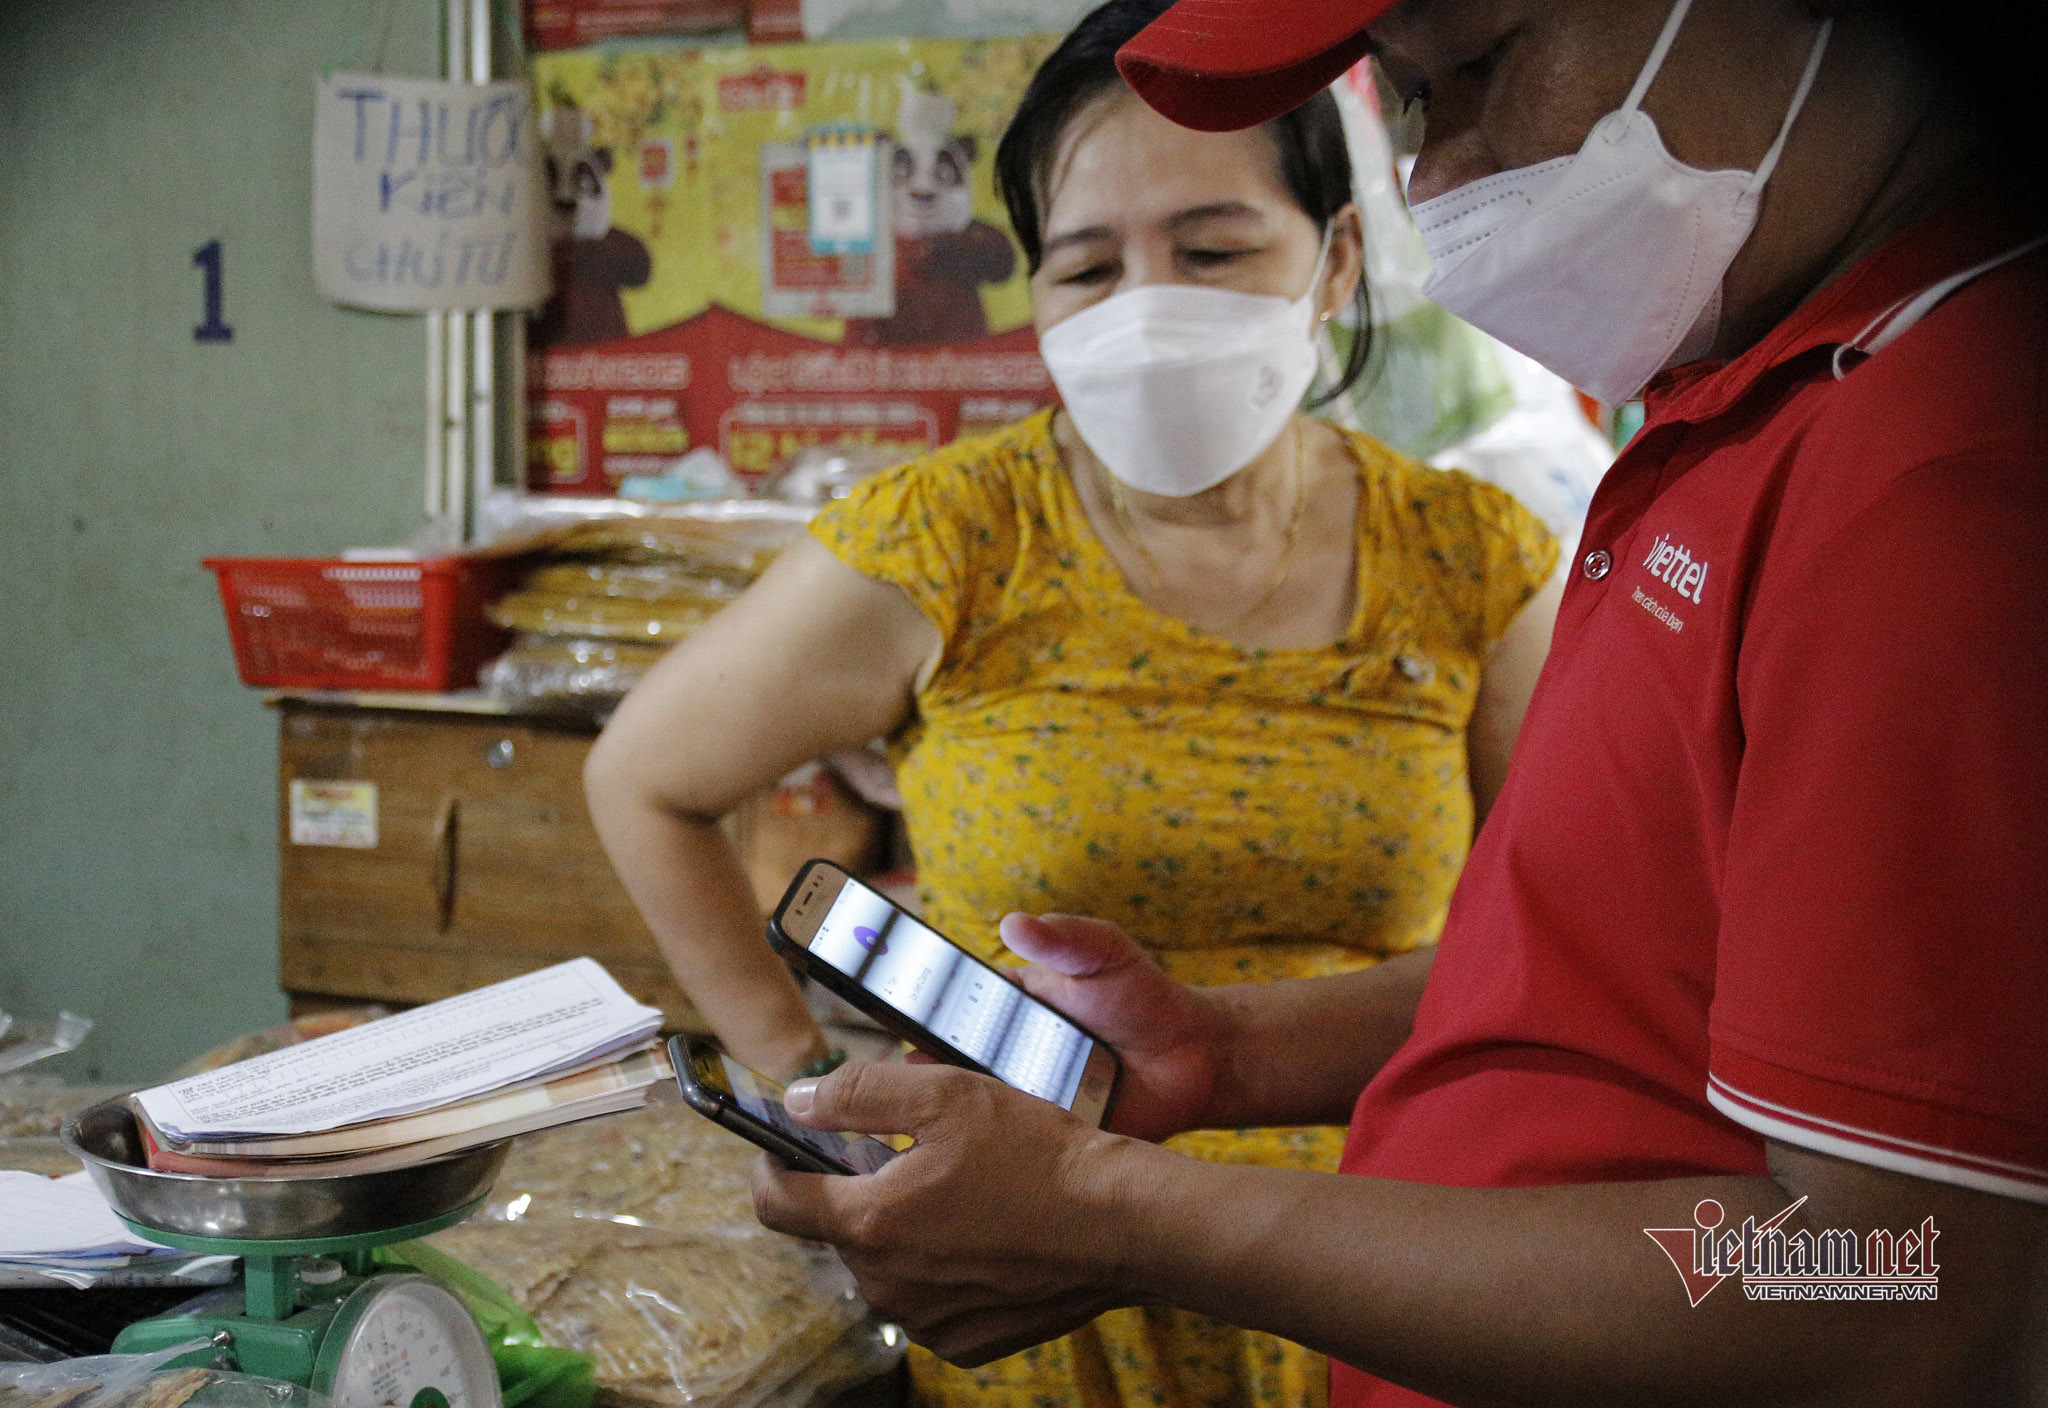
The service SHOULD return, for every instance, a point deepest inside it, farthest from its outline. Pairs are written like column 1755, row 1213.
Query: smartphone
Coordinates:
column 750, row 1105
column 926, row 989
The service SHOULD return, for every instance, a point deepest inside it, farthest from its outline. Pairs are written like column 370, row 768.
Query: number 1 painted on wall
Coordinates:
column 208, row 257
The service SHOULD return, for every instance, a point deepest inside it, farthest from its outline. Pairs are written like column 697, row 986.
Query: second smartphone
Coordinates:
column 922, row 987
column 750, row 1105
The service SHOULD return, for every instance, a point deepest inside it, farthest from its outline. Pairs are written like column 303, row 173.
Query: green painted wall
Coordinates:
column 138, row 872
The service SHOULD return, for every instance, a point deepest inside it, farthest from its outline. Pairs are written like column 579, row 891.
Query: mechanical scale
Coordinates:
column 313, row 1309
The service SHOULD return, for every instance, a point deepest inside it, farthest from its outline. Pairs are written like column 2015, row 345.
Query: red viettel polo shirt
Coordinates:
column 1772, row 857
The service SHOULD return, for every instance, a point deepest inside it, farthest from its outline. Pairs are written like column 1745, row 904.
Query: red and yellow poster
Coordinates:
column 762, row 249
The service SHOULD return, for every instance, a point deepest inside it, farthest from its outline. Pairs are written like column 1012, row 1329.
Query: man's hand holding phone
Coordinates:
column 999, row 1229
column 1002, row 1226
column 1172, row 1037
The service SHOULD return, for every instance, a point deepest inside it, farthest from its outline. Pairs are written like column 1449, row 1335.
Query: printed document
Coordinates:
column 516, row 1031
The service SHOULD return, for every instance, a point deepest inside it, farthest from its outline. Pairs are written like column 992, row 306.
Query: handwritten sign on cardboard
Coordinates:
column 427, row 194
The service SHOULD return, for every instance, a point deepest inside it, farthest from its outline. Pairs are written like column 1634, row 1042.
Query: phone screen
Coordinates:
column 953, row 995
column 762, row 1098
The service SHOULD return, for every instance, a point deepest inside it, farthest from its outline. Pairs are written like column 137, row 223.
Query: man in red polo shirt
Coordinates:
column 1752, row 953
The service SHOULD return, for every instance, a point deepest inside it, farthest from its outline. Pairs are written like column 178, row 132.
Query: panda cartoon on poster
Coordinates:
column 943, row 254
column 593, row 259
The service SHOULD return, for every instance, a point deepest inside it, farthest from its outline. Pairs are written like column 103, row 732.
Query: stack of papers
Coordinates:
column 561, row 1044
column 62, row 1222
column 65, row 1223
column 60, row 1231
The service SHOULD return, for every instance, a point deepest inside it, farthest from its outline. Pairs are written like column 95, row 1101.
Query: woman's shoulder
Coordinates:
column 952, row 519
column 1465, row 542
column 1444, row 502
column 973, row 476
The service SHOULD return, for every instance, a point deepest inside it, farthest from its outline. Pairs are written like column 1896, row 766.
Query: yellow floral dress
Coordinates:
column 1246, row 814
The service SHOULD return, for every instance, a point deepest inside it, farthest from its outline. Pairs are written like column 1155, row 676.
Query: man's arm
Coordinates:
column 1481, row 1296
column 1555, row 1295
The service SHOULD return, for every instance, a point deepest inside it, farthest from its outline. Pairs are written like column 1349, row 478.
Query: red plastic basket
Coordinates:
column 322, row 623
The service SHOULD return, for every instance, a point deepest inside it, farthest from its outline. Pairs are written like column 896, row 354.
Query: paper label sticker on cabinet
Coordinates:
column 334, row 813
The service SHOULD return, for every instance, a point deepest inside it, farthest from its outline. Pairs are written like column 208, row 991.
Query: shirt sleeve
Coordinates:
column 943, row 528
column 1517, row 555
column 1484, row 553
column 1882, row 974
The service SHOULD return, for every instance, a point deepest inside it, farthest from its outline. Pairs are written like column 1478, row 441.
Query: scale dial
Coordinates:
column 403, row 1342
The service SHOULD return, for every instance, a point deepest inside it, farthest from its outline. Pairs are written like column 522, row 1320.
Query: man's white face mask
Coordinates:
column 1176, row 387
column 1605, row 266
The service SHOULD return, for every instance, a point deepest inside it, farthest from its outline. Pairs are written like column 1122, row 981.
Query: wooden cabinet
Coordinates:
column 485, row 864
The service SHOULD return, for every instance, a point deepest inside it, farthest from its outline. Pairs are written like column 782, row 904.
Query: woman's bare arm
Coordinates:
column 814, row 657
column 1504, row 688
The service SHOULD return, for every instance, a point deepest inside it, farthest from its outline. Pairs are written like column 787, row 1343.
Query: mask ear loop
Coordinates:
column 1322, row 258
column 1316, row 320
column 1813, row 58
column 1657, row 53
column 1662, row 49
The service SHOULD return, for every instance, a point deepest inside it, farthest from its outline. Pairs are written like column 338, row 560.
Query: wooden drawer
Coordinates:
column 485, row 863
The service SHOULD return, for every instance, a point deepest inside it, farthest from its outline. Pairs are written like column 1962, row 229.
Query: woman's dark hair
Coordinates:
column 1315, row 164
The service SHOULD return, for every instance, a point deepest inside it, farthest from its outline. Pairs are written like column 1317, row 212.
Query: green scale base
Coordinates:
column 282, row 1321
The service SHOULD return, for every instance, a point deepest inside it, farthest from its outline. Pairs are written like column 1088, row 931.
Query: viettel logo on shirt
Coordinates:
column 1829, row 1264
column 1674, row 565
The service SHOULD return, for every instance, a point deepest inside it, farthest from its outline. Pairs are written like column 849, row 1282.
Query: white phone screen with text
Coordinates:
column 957, row 998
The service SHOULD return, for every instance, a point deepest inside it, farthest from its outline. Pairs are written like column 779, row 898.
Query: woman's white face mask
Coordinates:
column 1176, row 387
column 1605, row 266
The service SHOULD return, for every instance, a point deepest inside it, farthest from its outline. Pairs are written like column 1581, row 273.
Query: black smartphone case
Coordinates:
column 708, row 1104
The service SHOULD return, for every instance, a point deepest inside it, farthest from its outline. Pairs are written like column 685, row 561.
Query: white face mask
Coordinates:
column 1605, row 266
column 1176, row 387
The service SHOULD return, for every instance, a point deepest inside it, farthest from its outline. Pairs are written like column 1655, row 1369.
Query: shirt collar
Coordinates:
column 1961, row 232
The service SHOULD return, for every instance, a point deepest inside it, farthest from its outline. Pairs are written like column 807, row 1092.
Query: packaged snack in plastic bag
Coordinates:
column 677, row 583
column 681, row 1320
column 716, row 530
column 600, row 594
column 544, row 605
column 531, row 1372
column 542, row 672
column 664, row 1166
column 668, row 1318
column 870, row 1349
column 638, row 604
column 24, row 1040
column 32, row 1106
column 634, row 1240
column 819, row 474
column 142, row 1381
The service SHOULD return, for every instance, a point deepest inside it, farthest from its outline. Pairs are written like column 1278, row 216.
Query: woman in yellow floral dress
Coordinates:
column 1254, row 724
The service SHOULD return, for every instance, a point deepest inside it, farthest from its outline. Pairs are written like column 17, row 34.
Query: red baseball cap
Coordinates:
column 1219, row 65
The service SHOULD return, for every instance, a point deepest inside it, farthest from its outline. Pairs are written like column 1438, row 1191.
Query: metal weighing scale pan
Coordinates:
column 297, row 1208
column 315, row 1309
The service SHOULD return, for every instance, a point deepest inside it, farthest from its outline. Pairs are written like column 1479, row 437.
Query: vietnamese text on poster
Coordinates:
column 763, row 249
